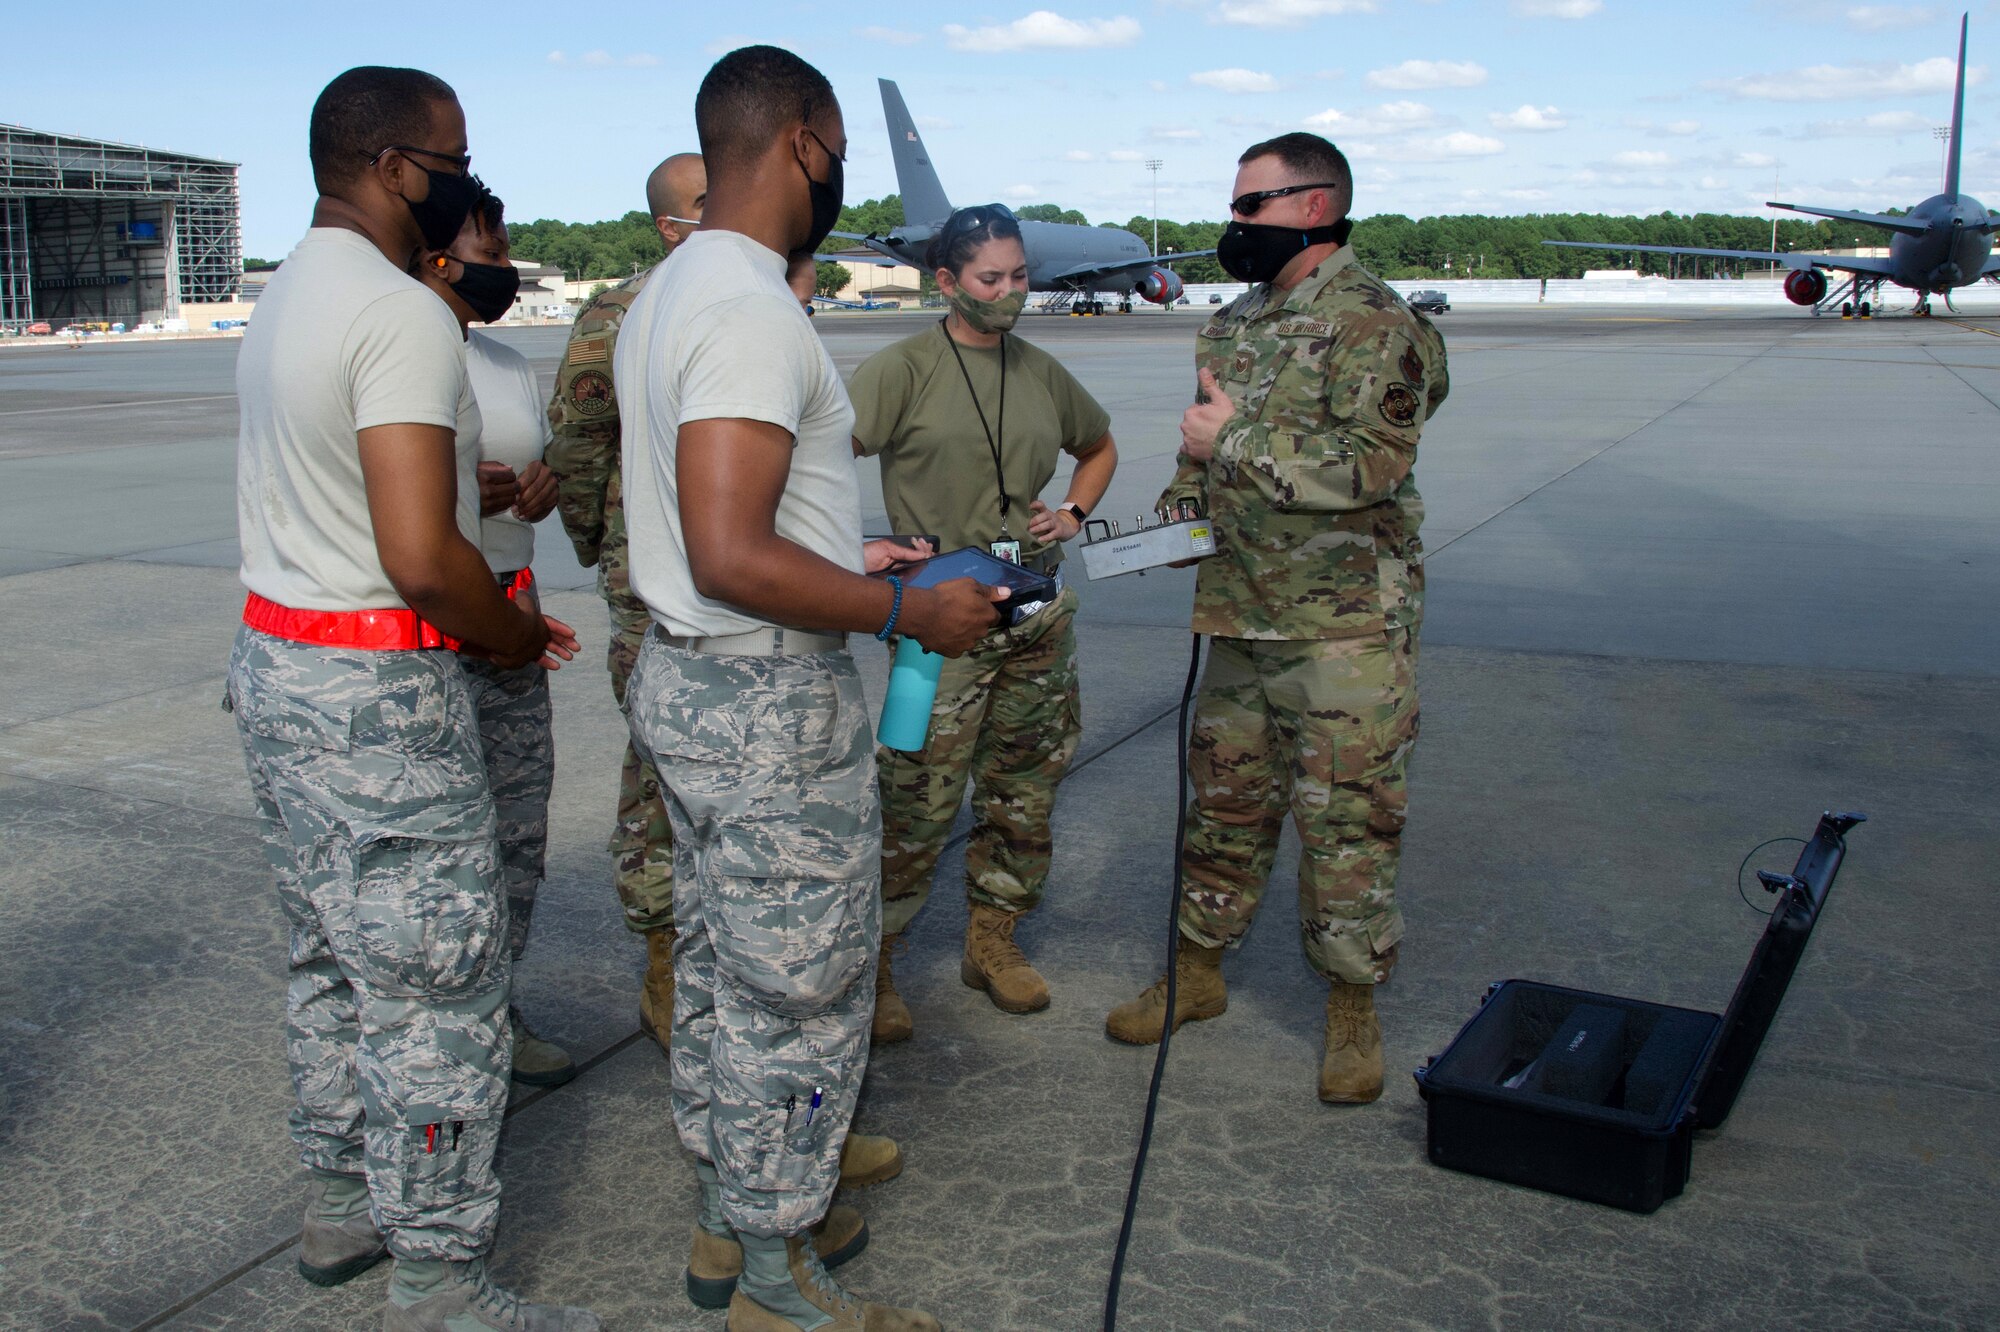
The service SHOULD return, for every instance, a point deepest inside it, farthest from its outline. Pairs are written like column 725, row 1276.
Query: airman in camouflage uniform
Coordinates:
column 1314, row 600
column 590, row 497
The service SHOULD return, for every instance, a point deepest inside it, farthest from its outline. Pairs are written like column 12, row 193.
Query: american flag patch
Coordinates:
column 590, row 351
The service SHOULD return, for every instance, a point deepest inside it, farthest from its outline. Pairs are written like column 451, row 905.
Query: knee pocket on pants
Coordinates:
column 438, row 1161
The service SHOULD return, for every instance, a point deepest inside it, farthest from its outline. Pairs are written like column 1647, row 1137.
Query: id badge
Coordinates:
column 1009, row 551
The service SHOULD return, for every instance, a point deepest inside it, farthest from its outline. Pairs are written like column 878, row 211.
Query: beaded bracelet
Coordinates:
column 895, row 609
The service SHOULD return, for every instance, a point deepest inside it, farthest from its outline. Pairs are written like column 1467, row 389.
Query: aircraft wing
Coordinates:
column 1883, row 220
column 1992, row 267
column 1790, row 259
column 1084, row 274
column 883, row 254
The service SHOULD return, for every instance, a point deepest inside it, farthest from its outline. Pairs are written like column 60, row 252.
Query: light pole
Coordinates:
column 1153, row 164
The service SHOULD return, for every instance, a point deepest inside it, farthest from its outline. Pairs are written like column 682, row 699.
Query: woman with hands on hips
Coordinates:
column 969, row 422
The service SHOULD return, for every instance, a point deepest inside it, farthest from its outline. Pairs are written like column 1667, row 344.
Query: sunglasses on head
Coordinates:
column 1248, row 204
column 968, row 220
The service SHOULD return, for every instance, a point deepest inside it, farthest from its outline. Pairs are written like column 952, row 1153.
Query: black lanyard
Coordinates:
column 992, row 440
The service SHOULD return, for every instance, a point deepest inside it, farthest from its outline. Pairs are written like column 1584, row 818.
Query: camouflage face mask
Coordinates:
column 989, row 316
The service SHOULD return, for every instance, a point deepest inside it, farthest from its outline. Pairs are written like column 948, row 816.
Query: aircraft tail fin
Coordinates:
column 923, row 197
column 1957, row 114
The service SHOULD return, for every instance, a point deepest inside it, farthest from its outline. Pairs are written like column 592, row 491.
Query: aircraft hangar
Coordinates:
column 97, row 231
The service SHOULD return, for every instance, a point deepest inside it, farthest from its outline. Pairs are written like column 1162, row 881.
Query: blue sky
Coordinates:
column 1495, row 106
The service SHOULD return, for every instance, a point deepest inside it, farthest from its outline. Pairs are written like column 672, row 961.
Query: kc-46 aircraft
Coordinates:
column 1944, row 242
column 1074, row 261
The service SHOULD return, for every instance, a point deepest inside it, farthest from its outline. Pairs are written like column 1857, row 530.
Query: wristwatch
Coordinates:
column 1075, row 510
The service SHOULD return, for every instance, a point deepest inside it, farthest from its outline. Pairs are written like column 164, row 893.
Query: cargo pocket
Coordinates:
column 444, row 1162
column 794, row 917
column 1304, row 471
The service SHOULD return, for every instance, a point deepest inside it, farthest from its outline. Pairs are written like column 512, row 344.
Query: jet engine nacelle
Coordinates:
column 1161, row 286
column 1805, row 286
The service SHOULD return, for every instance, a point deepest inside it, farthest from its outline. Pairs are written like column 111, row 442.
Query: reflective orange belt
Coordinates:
column 370, row 630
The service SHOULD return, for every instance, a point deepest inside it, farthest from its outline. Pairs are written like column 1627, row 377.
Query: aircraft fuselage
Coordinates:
column 1053, row 248
column 1952, row 252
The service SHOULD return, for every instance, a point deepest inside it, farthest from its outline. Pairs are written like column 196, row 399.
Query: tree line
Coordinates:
column 1391, row 245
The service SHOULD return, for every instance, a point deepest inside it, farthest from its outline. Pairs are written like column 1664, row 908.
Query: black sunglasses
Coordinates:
column 464, row 161
column 968, row 220
column 1248, row 204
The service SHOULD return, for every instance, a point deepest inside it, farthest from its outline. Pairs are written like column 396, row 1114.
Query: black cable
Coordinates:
column 1773, row 841
column 1173, row 991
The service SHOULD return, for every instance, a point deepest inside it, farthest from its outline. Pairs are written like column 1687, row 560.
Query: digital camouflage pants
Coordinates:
column 1007, row 717
column 770, row 782
column 516, row 735
column 381, row 834
column 642, row 840
column 1324, row 728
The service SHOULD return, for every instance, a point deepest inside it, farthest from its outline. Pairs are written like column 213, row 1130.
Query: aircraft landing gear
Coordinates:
column 1865, row 311
column 1847, row 309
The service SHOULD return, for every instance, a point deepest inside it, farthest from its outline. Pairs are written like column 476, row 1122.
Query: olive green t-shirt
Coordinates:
column 912, row 407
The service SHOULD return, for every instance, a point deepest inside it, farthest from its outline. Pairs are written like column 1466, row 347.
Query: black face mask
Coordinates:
column 825, row 197
column 1253, row 252
column 444, row 210
column 488, row 288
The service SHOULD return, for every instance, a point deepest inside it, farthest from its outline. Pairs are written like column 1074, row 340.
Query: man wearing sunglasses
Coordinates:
column 1312, row 390
column 359, row 521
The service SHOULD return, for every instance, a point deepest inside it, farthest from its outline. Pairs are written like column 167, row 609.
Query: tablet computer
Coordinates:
column 971, row 562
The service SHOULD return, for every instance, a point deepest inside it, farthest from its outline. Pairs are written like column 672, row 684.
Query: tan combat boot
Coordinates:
column 785, row 1289
column 339, row 1240
column 538, row 1062
column 892, row 1015
column 1198, row 994
column 995, row 963
column 866, row 1159
column 1350, row 1073
column 656, row 996
column 716, row 1261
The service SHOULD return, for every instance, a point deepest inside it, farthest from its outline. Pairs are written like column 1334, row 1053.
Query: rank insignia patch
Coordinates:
column 590, row 393
column 1412, row 366
column 1399, row 405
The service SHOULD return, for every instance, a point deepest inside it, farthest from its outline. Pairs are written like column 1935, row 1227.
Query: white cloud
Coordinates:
column 1753, row 160
column 1713, row 183
column 603, row 60
column 1079, row 155
column 1044, row 30
column 1286, row 13
column 1641, row 159
column 1179, row 132
column 890, row 36
column 1525, row 195
column 1388, row 118
column 1828, row 83
column 1235, row 80
column 1681, row 127
column 1413, row 74
column 1527, row 117
column 1021, row 192
column 937, row 123
column 1460, row 143
column 1124, row 155
column 1883, row 18
column 1558, row 9
column 1881, row 123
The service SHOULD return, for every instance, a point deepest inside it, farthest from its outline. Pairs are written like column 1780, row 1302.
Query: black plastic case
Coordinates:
column 1494, row 1096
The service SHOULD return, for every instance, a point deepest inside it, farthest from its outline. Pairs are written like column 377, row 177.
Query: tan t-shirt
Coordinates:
column 513, row 429
column 343, row 341
column 717, row 334
column 912, row 407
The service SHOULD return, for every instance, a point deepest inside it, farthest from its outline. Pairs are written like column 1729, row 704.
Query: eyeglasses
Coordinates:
column 464, row 161
column 1248, row 204
column 968, row 220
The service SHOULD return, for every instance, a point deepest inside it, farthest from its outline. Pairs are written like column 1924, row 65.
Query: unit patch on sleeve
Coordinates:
column 590, row 393
column 1399, row 405
column 1412, row 366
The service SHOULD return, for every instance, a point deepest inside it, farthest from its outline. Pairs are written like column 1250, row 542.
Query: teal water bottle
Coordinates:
column 906, row 708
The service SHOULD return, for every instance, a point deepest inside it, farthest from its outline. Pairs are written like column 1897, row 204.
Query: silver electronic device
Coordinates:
column 1110, row 550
